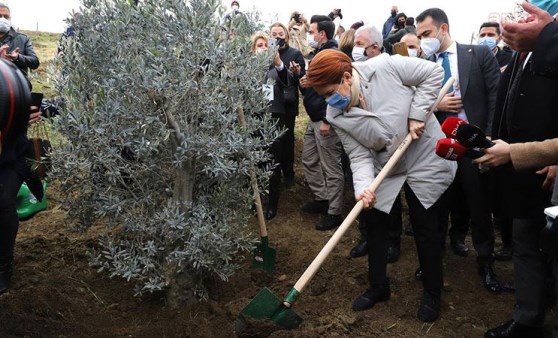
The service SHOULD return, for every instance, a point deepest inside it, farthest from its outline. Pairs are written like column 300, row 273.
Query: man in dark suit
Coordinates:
column 526, row 111
column 473, row 99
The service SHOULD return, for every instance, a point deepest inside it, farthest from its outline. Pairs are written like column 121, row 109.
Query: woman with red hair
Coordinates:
column 372, row 106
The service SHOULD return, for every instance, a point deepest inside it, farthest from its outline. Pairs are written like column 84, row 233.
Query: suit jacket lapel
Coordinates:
column 464, row 59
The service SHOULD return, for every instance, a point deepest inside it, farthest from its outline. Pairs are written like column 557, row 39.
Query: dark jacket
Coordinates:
column 504, row 56
column 479, row 76
column 285, row 78
column 315, row 104
column 27, row 57
column 526, row 111
column 388, row 25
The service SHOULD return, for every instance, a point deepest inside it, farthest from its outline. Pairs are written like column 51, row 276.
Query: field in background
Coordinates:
column 45, row 45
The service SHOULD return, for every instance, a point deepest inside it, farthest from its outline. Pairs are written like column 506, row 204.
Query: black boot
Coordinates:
column 376, row 293
column 489, row 279
column 5, row 277
column 514, row 329
column 429, row 309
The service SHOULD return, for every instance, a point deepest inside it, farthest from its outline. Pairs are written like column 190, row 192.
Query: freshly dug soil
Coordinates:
column 55, row 293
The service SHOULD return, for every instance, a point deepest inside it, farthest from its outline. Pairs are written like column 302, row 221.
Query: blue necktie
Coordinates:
column 447, row 69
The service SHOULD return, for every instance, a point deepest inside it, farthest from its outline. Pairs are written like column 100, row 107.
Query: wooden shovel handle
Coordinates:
column 386, row 170
column 254, row 182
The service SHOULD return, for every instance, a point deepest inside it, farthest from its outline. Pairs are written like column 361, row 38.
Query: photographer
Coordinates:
column 287, row 69
column 14, row 168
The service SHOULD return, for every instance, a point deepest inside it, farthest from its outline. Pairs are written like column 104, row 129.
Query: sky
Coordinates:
column 465, row 17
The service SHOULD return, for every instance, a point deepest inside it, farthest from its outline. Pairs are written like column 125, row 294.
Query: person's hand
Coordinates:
column 522, row 35
column 303, row 82
column 368, row 198
column 13, row 55
column 35, row 114
column 496, row 155
column 4, row 51
column 294, row 68
column 325, row 129
column 416, row 128
column 550, row 173
column 450, row 103
column 277, row 60
column 362, row 101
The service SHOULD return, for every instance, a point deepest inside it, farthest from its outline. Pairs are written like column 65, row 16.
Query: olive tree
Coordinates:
column 152, row 144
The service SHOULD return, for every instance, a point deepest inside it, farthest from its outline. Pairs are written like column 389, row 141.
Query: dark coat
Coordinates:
column 526, row 111
column 27, row 57
column 314, row 104
column 285, row 78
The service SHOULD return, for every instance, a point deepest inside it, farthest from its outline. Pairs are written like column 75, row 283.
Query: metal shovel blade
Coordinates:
column 264, row 256
column 266, row 306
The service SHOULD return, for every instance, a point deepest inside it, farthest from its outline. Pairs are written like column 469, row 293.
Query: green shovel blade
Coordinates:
column 264, row 256
column 267, row 306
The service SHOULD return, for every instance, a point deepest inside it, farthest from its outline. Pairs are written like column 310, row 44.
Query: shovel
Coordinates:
column 267, row 306
column 264, row 255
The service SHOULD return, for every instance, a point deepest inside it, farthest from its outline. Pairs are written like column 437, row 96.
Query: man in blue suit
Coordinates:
column 473, row 98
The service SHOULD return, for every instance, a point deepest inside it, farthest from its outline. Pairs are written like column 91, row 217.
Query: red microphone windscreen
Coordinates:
column 450, row 149
column 450, row 125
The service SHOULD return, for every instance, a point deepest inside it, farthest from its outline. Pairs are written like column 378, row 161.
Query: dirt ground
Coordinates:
column 56, row 294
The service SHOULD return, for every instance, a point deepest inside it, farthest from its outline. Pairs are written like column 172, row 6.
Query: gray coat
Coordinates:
column 395, row 89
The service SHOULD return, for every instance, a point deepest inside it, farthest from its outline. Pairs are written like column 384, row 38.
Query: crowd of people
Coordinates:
column 364, row 89
column 362, row 101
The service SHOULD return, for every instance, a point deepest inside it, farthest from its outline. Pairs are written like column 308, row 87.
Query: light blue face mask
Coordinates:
column 551, row 6
column 488, row 41
column 338, row 101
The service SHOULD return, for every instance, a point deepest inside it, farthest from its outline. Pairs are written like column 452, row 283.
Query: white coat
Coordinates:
column 395, row 89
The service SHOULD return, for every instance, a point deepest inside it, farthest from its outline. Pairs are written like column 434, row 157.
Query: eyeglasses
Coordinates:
column 5, row 16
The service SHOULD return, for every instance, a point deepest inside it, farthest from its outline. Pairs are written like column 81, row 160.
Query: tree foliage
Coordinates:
column 153, row 144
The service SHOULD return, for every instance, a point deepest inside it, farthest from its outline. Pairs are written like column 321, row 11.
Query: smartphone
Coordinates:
column 400, row 48
column 36, row 99
column 272, row 43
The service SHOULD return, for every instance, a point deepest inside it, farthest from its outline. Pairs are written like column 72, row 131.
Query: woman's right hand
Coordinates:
column 368, row 198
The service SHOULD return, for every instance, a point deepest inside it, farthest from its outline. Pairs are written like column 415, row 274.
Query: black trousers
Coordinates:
column 11, row 178
column 428, row 238
column 468, row 201
column 395, row 223
column 531, row 268
column 282, row 152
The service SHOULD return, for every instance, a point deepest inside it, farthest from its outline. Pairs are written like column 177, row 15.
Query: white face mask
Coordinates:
column 413, row 53
column 5, row 25
column 311, row 42
column 358, row 54
column 430, row 45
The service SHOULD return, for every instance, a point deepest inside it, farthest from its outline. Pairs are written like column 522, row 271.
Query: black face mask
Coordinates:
column 281, row 42
column 393, row 13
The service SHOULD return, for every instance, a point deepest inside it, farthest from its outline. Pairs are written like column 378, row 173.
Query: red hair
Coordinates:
column 328, row 67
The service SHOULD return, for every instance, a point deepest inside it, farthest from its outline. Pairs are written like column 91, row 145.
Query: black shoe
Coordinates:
column 489, row 279
column 270, row 213
column 418, row 274
column 513, row 329
column 360, row 249
column 503, row 255
column 329, row 222
column 393, row 253
column 370, row 297
column 429, row 309
column 315, row 207
column 5, row 277
column 459, row 248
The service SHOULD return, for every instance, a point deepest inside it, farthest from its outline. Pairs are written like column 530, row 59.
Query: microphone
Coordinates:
column 450, row 149
column 450, row 125
column 472, row 136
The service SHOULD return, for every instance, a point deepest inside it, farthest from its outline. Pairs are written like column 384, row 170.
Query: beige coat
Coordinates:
column 534, row 155
column 395, row 88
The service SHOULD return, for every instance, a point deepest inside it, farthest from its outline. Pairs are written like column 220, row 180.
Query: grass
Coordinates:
column 45, row 46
